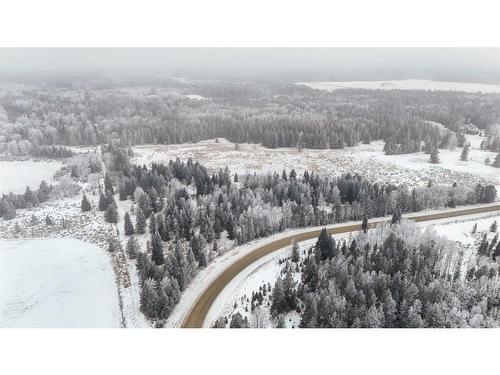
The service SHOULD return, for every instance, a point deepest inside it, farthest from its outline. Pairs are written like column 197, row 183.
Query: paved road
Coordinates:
column 198, row 312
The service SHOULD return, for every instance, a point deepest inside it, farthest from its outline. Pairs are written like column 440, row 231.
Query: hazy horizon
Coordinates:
column 315, row 64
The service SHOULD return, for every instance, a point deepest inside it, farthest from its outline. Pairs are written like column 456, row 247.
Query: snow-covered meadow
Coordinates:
column 56, row 283
column 369, row 161
column 16, row 175
column 406, row 84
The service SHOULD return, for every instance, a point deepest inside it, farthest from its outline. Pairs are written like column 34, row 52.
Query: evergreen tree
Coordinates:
column 325, row 246
column 278, row 298
column 140, row 221
column 103, row 202
column 364, row 225
column 127, row 224
column 290, row 298
column 114, row 245
column 48, row 220
column 85, row 204
column 474, row 229
column 434, row 158
column 496, row 253
column 110, row 198
column 464, row 156
column 111, row 214
column 295, row 251
column 493, row 227
column 237, row 321
column 496, row 162
column 221, row 322
column 157, row 254
column 152, row 224
column 34, row 220
column 483, row 246
column 8, row 209
column 133, row 248
column 107, row 184
column 396, row 216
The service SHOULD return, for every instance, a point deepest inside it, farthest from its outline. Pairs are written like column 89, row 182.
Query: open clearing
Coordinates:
column 56, row 283
column 16, row 175
column 367, row 160
column 406, row 84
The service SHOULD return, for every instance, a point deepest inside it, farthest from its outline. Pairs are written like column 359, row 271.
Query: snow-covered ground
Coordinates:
column 195, row 97
column 16, row 175
column 71, row 223
column 368, row 160
column 56, row 283
column 450, row 164
column 406, row 84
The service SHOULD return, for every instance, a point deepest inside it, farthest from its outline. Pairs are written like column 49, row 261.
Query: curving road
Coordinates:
column 199, row 310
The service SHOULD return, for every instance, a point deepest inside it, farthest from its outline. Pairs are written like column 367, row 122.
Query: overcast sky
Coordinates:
column 259, row 63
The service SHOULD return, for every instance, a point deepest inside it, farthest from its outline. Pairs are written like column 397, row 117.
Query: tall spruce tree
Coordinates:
column 434, row 158
column 127, row 225
column 103, row 202
column 132, row 247
column 464, row 156
column 295, row 251
column 396, row 216
column 152, row 224
column 364, row 225
column 140, row 221
column 157, row 254
column 85, row 204
column 107, row 184
column 111, row 214
column 325, row 246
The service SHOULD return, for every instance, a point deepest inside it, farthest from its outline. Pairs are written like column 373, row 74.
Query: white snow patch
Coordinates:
column 56, row 283
column 195, row 97
column 406, row 84
column 16, row 175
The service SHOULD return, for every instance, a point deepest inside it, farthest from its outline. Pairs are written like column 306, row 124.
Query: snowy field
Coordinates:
column 16, row 175
column 367, row 160
column 56, row 283
column 407, row 84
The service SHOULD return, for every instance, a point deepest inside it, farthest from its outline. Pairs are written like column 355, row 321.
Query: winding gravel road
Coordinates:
column 199, row 310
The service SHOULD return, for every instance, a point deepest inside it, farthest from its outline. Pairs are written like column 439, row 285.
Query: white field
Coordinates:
column 56, row 283
column 406, row 84
column 16, row 175
column 367, row 160
column 90, row 228
column 267, row 269
column 195, row 97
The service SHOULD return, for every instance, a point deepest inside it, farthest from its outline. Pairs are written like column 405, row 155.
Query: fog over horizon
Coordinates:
column 291, row 64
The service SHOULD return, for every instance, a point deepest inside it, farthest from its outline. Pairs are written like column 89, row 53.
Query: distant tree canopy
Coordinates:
column 273, row 114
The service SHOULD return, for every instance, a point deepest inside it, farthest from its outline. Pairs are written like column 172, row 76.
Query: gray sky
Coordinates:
column 474, row 64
